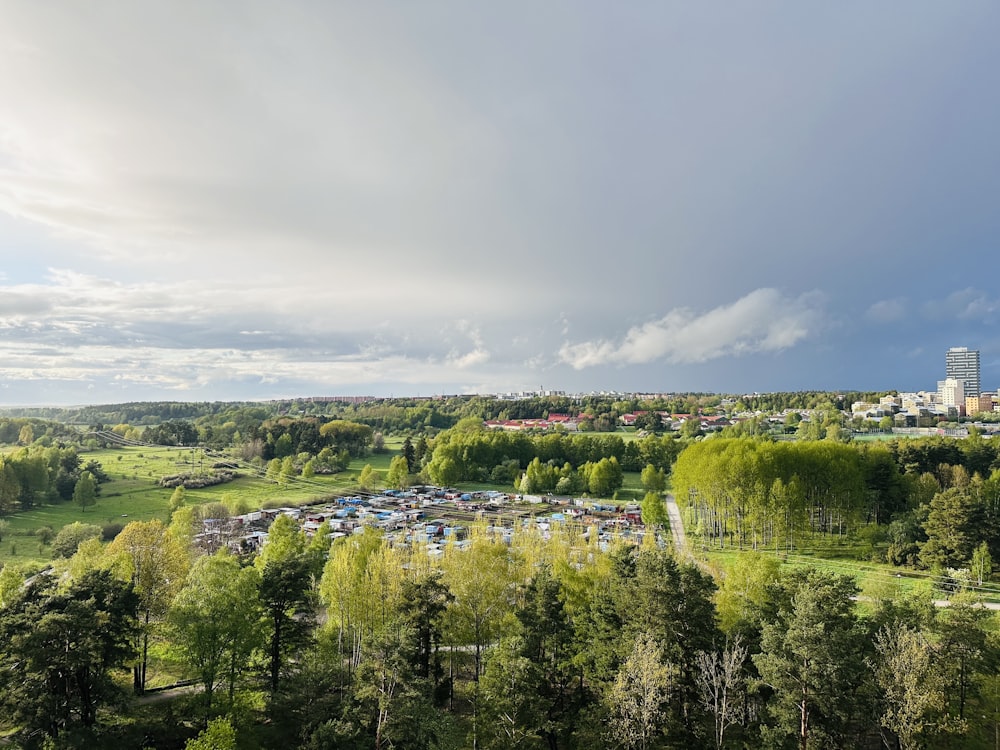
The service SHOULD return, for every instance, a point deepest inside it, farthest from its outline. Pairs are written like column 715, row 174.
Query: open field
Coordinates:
column 133, row 494
column 875, row 580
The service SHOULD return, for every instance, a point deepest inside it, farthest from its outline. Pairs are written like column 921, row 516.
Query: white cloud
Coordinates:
column 762, row 321
column 967, row 304
column 887, row 310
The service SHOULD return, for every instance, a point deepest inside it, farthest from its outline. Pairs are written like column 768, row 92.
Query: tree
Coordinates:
column 720, row 678
column 309, row 469
column 218, row 735
column 653, row 479
column 85, row 492
column 285, row 541
column 637, row 701
column 422, row 604
column 71, row 536
column 981, row 563
column 410, row 455
column 26, row 436
column 11, row 581
column 368, row 478
column 548, row 643
column 399, row 473
column 654, row 510
column 289, row 603
column 10, row 487
column 481, row 580
column 811, row 657
column 510, row 711
column 912, row 684
column 965, row 650
column 388, row 701
column 155, row 563
column 177, row 498
column 215, row 621
column 953, row 523
column 59, row 648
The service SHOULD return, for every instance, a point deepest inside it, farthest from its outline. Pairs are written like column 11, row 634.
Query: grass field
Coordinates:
column 844, row 557
column 133, row 494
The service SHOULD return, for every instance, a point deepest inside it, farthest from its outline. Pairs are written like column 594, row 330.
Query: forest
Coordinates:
column 547, row 643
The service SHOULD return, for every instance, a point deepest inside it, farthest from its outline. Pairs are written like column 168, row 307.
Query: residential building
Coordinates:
column 979, row 404
column 962, row 364
column 952, row 392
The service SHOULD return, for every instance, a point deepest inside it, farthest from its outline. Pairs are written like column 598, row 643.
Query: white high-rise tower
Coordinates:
column 963, row 364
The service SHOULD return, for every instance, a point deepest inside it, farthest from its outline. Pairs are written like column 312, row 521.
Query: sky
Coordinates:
column 207, row 201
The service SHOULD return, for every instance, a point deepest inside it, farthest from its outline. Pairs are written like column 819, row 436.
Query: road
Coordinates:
column 677, row 528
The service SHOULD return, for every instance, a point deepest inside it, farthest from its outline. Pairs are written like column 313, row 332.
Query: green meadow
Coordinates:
column 134, row 493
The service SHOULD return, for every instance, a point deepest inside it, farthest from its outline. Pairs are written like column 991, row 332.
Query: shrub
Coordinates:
column 71, row 536
column 197, row 481
column 45, row 534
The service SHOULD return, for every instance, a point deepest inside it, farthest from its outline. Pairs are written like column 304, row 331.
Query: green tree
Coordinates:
column 177, row 498
column 811, row 658
column 215, row 622
column 71, row 536
column 85, row 492
column 654, row 510
column 410, row 456
column 981, row 563
column 966, row 652
column 653, row 479
column 289, row 605
column 11, row 581
column 218, row 735
column 399, row 473
column 422, row 603
column 309, row 469
column 368, row 478
column 952, row 527
column 155, row 564
column 10, row 487
column 638, row 698
column 549, row 644
column 481, row 578
column 60, row 646
column 912, row 683
column 510, row 711
column 285, row 541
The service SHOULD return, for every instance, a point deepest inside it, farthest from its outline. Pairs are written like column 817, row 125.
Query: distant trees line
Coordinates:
column 36, row 475
column 469, row 453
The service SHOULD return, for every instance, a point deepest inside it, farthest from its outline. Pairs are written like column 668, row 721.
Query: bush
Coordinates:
column 197, row 481
column 110, row 530
column 71, row 536
column 45, row 534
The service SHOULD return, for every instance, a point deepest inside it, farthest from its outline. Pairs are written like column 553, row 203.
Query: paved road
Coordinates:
column 677, row 528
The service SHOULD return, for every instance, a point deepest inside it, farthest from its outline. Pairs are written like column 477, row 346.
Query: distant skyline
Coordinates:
column 254, row 201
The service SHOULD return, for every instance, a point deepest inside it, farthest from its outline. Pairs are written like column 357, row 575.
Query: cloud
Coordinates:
column 887, row 311
column 762, row 321
column 967, row 304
